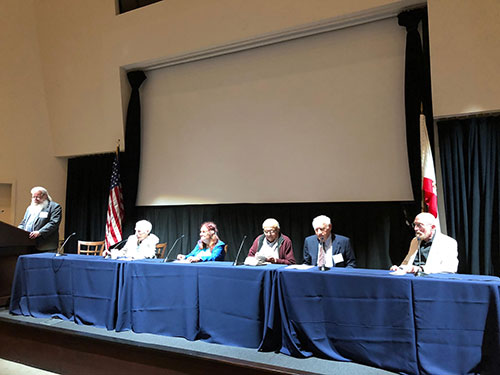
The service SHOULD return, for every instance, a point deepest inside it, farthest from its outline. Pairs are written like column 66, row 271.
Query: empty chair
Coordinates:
column 90, row 247
column 160, row 250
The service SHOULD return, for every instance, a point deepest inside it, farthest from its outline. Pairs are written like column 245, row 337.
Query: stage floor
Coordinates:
column 197, row 349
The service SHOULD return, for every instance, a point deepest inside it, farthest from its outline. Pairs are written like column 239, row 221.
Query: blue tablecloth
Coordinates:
column 434, row 324
column 83, row 289
column 214, row 301
column 441, row 324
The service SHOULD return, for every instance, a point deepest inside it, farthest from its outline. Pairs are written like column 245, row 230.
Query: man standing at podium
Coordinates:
column 42, row 219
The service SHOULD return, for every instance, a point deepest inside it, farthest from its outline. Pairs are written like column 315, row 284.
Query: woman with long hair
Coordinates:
column 208, row 248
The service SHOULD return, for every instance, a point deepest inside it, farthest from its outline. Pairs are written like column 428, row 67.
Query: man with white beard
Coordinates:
column 42, row 219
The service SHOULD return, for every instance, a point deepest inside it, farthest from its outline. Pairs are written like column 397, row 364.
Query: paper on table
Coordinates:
column 398, row 272
column 300, row 267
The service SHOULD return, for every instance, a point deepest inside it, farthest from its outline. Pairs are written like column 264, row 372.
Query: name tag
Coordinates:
column 44, row 214
column 338, row 258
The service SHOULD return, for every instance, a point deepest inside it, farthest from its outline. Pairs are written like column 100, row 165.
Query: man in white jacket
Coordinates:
column 430, row 251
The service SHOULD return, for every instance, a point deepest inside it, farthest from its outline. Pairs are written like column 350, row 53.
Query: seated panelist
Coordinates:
column 208, row 248
column 327, row 249
column 438, row 252
column 272, row 246
column 140, row 245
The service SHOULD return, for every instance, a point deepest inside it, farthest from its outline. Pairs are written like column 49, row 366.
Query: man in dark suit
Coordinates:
column 326, row 249
column 42, row 219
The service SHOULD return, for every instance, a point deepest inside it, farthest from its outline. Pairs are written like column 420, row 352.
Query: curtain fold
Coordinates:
column 87, row 192
column 131, row 158
column 470, row 159
column 417, row 92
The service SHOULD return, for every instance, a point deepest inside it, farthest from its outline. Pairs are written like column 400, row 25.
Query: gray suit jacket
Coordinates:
column 47, row 223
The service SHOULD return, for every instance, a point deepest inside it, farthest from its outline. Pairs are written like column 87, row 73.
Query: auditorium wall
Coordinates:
column 63, row 86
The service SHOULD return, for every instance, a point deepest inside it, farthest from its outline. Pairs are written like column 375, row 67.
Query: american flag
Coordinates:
column 115, row 206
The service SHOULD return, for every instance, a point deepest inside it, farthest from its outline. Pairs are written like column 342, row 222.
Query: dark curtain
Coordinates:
column 417, row 91
column 470, row 159
column 379, row 230
column 128, row 5
column 131, row 159
column 87, row 191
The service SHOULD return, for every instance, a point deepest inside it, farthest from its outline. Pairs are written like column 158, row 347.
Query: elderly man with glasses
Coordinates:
column 272, row 246
column 430, row 250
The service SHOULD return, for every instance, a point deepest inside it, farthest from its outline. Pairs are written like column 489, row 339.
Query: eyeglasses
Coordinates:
column 270, row 231
column 418, row 225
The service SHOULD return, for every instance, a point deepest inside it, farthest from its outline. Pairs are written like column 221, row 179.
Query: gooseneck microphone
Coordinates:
column 117, row 244
column 60, row 250
column 175, row 243
column 239, row 250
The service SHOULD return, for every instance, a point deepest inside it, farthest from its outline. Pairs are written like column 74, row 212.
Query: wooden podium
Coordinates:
column 13, row 242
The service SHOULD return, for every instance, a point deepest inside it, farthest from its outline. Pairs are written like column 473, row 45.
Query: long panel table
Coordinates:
column 216, row 302
column 434, row 324
column 83, row 289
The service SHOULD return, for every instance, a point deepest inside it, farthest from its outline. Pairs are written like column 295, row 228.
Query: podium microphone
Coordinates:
column 175, row 243
column 239, row 250
column 60, row 250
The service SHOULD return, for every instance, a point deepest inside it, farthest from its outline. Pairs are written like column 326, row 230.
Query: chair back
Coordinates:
column 160, row 250
column 90, row 247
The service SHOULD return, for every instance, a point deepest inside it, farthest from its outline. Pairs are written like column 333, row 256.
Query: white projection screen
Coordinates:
column 318, row 119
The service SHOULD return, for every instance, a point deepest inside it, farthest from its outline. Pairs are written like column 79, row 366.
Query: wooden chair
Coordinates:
column 90, row 247
column 160, row 250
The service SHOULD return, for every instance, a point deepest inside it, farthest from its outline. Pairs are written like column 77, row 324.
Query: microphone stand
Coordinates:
column 419, row 272
column 59, row 252
column 175, row 243
column 239, row 250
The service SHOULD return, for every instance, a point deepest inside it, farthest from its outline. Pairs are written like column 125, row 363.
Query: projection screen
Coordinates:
column 317, row 119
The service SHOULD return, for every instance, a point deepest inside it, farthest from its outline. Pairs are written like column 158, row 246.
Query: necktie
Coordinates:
column 321, row 254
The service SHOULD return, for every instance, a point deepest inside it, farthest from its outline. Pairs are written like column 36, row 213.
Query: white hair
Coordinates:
column 41, row 189
column 144, row 225
column 427, row 218
column 318, row 221
column 270, row 223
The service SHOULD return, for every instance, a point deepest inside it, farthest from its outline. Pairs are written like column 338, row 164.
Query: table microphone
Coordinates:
column 175, row 243
column 60, row 250
column 419, row 272
column 239, row 251
column 117, row 244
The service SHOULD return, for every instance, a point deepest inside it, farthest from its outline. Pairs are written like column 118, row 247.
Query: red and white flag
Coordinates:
column 115, row 206
column 428, row 173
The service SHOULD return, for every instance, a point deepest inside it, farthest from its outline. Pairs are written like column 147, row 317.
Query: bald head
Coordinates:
column 424, row 226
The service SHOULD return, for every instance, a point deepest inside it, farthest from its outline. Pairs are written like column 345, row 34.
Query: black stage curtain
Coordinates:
column 470, row 159
column 380, row 231
column 417, row 91
column 131, row 159
column 87, row 192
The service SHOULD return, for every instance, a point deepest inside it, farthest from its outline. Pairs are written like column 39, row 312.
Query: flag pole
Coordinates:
column 423, row 206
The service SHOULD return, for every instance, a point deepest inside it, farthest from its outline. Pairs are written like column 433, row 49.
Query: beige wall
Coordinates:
column 26, row 142
column 61, row 80
column 465, row 56
column 83, row 45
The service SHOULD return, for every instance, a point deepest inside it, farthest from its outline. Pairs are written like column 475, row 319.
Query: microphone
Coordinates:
column 419, row 272
column 239, row 250
column 117, row 244
column 60, row 250
column 175, row 243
